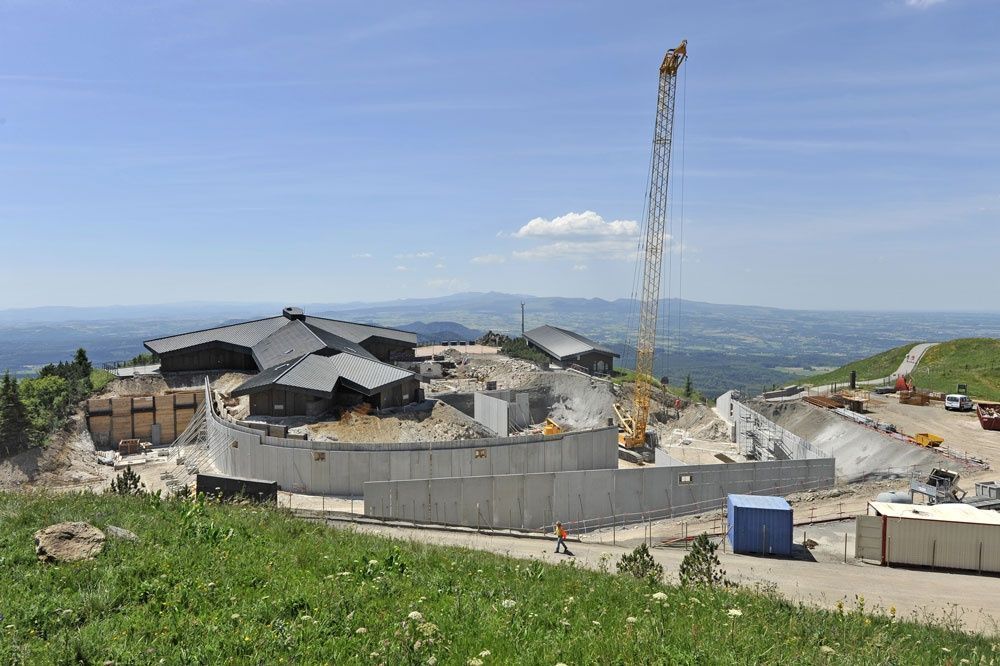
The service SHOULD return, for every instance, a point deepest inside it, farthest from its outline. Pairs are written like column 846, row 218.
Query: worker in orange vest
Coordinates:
column 561, row 535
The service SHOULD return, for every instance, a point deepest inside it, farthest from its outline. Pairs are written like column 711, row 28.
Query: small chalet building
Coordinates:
column 305, row 365
column 567, row 348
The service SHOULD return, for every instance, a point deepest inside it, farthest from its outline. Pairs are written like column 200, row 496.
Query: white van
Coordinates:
column 958, row 402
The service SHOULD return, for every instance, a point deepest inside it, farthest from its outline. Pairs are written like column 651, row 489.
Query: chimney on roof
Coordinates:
column 293, row 313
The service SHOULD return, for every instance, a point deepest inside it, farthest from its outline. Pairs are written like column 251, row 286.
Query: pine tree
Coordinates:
column 15, row 427
column 688, row 389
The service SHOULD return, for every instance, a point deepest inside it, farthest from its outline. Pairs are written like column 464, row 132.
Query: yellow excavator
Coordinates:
column 632, row 423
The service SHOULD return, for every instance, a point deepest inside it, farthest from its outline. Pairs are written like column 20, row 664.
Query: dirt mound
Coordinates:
column 67, row 462
column 570, row 399
column 68, row 542
column 157, row 385
column 858, row 450
column 432, row 422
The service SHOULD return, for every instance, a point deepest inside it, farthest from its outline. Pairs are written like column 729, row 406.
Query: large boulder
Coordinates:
column 68, row 542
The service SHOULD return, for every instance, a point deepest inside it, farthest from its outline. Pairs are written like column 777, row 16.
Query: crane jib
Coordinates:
column 653, row 245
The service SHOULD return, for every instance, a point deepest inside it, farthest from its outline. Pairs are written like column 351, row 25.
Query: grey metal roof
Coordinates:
column 246, row 334
column 360, row 332
column 293, row 340
column 321, row 374
column 277, row 339
column 563, row 344
column 365, row 373
column 334, row 341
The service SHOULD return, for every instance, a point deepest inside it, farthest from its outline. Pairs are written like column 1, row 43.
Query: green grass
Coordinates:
column 100, row 378
column 971, row 361
column 213, row 584
column 873, row 367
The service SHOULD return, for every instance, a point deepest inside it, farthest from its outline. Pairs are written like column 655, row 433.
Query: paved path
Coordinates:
column 974, row 600
column 907, row 367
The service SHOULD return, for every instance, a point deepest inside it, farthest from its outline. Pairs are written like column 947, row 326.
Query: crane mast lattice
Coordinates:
column 634, row 424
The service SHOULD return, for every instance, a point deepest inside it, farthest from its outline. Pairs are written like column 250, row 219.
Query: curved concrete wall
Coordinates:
column 341, row 468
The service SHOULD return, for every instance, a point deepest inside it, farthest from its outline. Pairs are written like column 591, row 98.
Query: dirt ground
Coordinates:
column 156, row 385
column 68, row 462
column 432, row 421
column 961, row 430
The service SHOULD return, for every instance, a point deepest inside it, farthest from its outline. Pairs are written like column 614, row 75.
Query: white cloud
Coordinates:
column 449, row 284
column 580, row 267
column 489, row 259
column 923, row 4
column 608, row 248
column 439, row 266
column 362, row 255
column 587, row 223
column 415, row 255
column 402, row 268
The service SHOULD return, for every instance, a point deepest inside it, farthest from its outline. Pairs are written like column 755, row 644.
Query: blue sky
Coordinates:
column 835, row 155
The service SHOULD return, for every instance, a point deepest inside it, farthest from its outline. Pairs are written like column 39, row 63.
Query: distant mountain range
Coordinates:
column 721, row 346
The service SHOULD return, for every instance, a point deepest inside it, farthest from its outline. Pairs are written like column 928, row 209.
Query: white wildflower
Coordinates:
column 432, row 660
column 373, row 563
column 484, row 654
column 826, row 649
column 361, row 630
column 475, row 662
column 631, row 620
column 416, row 616
column 660, row 596
column 508, row 603
column 234, row 616
column 595, row 623
column 417, row 645
column 734, row 612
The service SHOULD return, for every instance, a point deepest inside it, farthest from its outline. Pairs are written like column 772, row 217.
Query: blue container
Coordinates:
column 759, row 524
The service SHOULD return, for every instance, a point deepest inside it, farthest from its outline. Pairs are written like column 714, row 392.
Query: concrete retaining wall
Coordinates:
column 340, row 468
column 501, row 411
column 589, row 499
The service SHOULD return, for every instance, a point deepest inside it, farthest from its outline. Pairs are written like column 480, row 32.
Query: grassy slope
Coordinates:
column 211, row 584
column 972, row 361
column 100, row 378
column 873, row 367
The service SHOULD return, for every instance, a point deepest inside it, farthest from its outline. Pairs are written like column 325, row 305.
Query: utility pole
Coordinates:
column 522, row 319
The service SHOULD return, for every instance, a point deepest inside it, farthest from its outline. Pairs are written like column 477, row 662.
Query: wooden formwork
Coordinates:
column 111, row 420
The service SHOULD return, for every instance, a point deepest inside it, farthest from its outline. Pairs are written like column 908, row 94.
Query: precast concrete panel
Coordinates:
column 442, row 464
column 339, row 472
column 400, row 466
column 599, row 493
column 477, row 496
column 628, row 490
column 538, row 505
column 507, row 493
column 518, row 458
column 420, row 465
column 376, row 499
column 553, row 456
column 567, row 497
column 360, row 470
column 482, row 462
column 461, row 462
column 380, row 466
column 534, row 459
column 446, row 500
column 411, row 499
column 569, row 450
column 500, row 460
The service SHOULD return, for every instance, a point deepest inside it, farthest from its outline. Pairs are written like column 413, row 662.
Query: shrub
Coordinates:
column 640, row 563
column 127, row 483
column 701, row 566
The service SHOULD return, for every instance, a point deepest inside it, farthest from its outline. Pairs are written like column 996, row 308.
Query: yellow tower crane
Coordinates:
column 633, row 423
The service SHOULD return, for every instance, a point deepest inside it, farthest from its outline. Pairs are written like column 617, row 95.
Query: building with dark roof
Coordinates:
column 567, row 348
column 305, row 364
